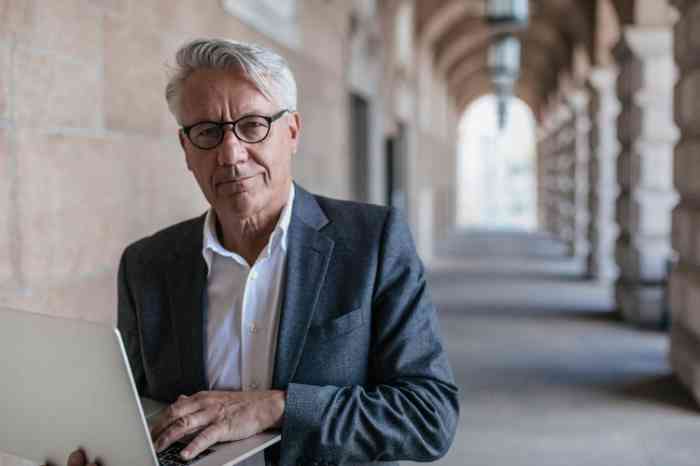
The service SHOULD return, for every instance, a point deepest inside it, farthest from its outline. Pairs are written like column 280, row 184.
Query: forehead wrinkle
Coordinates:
column 214, row 98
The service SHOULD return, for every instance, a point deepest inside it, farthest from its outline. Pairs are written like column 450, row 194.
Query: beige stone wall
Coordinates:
column 90, row 160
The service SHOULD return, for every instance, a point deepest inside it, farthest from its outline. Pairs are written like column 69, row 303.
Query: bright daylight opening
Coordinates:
column 496, row 179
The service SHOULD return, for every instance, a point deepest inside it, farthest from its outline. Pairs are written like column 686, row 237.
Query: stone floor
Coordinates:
column 548, row 375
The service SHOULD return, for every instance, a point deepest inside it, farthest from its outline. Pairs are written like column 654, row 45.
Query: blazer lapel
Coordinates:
column 187, row 285
column 308, row 255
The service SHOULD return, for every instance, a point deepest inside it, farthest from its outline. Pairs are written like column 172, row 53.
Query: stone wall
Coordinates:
column 89, row 156
column 685, row 279
column 647, row 135
column 604, row 108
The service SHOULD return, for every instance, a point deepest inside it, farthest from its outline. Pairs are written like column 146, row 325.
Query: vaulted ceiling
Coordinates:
column 459, row 37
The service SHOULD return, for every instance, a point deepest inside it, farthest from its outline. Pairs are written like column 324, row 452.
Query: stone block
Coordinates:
column 81, row 202
column 5, row 77
column 677, row 292
column 165, row 191
column 74, row 196
column 643, row 260
column 8, row 264
column 652, row 167
column 687, row 98
column 642, row 305
column 118, row 7
column 686, row 35
column 602, row 268
column 682, row 239
column 690, row 315
column 645, row 212
column 623, row 170
column 683, row 358
column 53, row 92
column 135, row 76
column 686, row 167
column 69, row 28
column 188, row 19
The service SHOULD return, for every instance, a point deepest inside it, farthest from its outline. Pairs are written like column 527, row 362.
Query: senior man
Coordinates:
column 278, row 308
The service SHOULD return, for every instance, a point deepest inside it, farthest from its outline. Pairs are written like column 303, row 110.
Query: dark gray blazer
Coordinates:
column 358, row 351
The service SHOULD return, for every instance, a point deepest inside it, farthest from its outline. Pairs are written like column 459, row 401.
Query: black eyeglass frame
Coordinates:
column 270, row 119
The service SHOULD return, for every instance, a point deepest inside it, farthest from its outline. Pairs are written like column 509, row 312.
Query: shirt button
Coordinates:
column 253, row 328
column 253, row 274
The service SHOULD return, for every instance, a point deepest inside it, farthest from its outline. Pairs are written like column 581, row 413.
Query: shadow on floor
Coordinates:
column 664, row 390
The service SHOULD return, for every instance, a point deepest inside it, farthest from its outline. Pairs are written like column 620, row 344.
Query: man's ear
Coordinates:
column 295, row 130
column 182, row 137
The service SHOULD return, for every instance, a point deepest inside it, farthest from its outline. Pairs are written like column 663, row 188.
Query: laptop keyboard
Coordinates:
column 171, row 455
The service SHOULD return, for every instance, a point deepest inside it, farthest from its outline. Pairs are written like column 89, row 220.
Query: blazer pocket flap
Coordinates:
column 340, row 325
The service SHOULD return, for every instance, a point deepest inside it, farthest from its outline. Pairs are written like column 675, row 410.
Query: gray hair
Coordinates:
column 268, row 71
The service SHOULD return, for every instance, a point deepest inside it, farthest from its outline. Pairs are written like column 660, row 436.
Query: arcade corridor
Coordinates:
column 553, row 368
column 547, row 373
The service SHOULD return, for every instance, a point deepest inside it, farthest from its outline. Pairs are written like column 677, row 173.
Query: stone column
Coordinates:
column 685, row 278
column 541, row 175
column 548, row 195
column 647, row 135
column 602, row 231
column 564, row 162
column 579, row 153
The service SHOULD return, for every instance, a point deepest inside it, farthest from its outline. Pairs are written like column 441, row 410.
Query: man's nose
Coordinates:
column 232, row 150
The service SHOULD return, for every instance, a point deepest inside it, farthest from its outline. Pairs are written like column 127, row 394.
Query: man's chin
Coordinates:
column 240, row 204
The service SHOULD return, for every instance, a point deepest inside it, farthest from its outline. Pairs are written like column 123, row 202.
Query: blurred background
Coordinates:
column 541, row 151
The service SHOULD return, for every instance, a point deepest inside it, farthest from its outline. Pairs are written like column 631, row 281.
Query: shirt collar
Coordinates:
column 211, row 243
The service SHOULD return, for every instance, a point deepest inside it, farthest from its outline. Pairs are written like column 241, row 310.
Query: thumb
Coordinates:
column 77, row 458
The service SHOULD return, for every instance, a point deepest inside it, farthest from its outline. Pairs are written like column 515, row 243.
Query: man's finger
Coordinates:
column 208, row 437
column 183, row 426
column 77, row 458
column 182, row 407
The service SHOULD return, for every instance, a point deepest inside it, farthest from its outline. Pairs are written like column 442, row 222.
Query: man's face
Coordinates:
column 238, row 178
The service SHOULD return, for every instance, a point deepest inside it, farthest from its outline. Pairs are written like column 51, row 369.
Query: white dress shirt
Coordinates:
column 243, row 310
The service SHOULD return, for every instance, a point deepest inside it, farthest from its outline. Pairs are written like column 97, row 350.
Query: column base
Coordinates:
column 684, row 357
column 603, row 271
column 642, row 304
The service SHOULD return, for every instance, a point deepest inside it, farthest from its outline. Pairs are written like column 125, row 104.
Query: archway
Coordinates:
column 496, row 174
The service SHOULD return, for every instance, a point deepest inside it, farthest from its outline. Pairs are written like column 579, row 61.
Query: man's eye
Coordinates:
column 208, row 131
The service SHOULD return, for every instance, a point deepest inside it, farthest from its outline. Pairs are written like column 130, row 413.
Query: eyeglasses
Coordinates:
column 207, row 135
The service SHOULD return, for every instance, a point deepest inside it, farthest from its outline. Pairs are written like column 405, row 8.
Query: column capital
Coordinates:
column 643, row 43
column 577, row 99
column 603, row 77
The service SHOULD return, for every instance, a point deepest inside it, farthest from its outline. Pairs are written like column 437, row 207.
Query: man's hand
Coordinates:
column 220, row 416
column 78, row 458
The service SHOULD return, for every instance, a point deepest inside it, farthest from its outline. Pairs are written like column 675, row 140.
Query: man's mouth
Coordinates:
column 234, row 180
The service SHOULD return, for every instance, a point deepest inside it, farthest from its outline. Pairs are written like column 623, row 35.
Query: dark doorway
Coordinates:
column 395, row 153
column 359, row 146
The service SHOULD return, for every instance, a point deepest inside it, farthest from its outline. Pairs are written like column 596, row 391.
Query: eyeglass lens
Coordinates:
column 249, row 129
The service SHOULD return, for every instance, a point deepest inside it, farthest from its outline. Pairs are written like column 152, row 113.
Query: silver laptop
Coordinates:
column 67, row 383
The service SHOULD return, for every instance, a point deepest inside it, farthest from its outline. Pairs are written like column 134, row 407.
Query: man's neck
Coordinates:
column 248, row 236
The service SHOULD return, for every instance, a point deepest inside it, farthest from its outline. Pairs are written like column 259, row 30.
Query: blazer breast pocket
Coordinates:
column 346, row 323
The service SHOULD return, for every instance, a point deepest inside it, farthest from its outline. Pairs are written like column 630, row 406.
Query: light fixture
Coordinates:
column 506, row 17
column 507, row 12
column 504, row 67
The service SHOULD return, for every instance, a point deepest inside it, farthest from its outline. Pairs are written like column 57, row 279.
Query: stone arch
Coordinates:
column 444, row 15
column 496, row 191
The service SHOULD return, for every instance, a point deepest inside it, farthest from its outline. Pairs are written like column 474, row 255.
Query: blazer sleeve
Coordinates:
column 409, row 411
column 127, row 323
